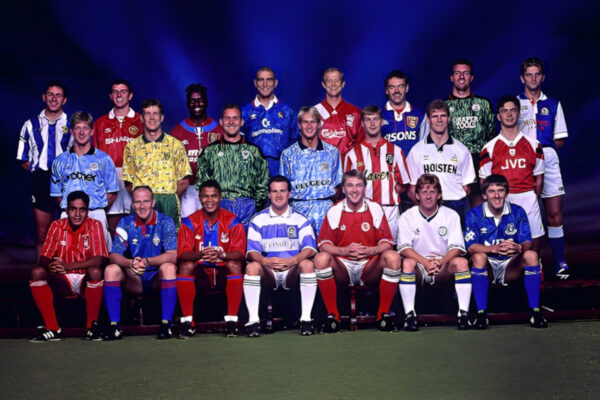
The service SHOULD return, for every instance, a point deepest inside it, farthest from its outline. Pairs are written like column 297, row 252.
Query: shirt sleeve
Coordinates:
column 350, row 159
column 307, row 237
column 185, row 239
column 523, row 229
column 204, row 173
column 540, row 165
column 182, row 165
column 468, row 171
column 384, row 234
column 471, row 229
column 413, row 167
column 110, row 175
column 405, row 233
column 560, row 125
column 485, row 163
column 401, row 174
column 128, row 171
column 327, row 235
column 56, row 182
column 99, row 246
column 120, row 241
column 262, row 178
column 489, row 123
column 237, row 237
column 23, row 147
column 337, row 168
column 254, row 238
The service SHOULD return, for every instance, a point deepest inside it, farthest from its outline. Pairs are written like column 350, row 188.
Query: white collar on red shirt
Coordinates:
column 364, row 207
column 258, row 103
column 511, row 143
column 130, row 113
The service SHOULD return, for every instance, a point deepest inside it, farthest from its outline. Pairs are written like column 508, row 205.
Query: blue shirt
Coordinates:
column 402, row 129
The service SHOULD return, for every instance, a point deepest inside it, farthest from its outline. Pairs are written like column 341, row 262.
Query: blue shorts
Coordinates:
column 148, row 280
column 243, row 207
column 313, row 210
column 273, row 166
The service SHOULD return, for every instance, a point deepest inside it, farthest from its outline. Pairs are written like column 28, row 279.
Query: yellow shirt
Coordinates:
column 159, row 164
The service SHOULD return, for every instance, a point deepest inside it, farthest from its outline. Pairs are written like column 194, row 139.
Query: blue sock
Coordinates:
column 481, row 283
column 168, row 296
column 112, row 298
column 532, row 281
column 556, row 237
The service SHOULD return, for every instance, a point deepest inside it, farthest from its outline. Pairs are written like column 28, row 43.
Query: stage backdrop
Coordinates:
column 161, row 47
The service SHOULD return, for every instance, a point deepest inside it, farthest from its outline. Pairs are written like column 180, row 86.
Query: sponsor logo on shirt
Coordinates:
column 373, row 176
column 399, row 136
column 117, row 140
column 469, row 122
column 446, row 168
column 331, row 133
column 305, row 185
column 265, row 122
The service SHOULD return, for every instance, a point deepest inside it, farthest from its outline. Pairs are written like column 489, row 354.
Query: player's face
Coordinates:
column 210, row 198
column 143, row 203
column 77, row 212
column 354, row 189
column 532, row 78
column 196, row 106
column 54, row 98
column 438, row 121
column 428, row 197
column 81, row 133
column 461, row 77
column 309, row 126
column 265, row 83
column 396, row 90
column 232, row 121
column 152, row 119
column 372, row 124
column 332, row 82
column 120, row 96
column 508, row 115
column 495, row 196
column 279, row 195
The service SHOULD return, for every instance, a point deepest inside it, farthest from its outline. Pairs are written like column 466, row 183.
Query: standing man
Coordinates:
column 498, row 239
column 210, row 241
column 471, row 118
column 85, row 168
column 542, row 118
column 195, row 132
column 145, row 248
column 239, row 167
column 314, row 169
column 281, row 244
column 157, row 160
column 342, row 126
column 441, row 154
column 520, row 159
column 431, row 243
column 383, row 164
column 355, row 246
column 111, row 134
column 71, row 260
column 269, row 123
column 42, row 139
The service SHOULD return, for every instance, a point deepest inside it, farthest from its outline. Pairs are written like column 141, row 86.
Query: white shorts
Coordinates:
column 190, row 203
column 529, row 202
column 499, row 269
column 100, row 215
column 122, row 204
column 74, row 281
column 280, row 278
column 355, row 270
column 392, row 214
column 553, row 183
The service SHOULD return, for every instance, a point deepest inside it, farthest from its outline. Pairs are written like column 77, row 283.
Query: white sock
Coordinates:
column 308, row 290
column 463, row 292
column 252, row 297
column 407, row 293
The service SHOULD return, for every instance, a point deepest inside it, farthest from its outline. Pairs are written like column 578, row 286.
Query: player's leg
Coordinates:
column 252, row 283
column 527, row 263
column 43, row 219
column 556, row 236
column 167, row 274
column 481, row 283
column 458, row 267
column 44, row 300
column 328, row 271
column 93, row 301
column 384, row 270
column 408, row 290
column 304, row 275
column 113, row 276
column 186, row 291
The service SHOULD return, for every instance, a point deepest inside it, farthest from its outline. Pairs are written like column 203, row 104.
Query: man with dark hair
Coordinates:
column 145, row 248
column 71, row 260
column 269, row 123
column 157, row 160
column 195, row 132
column 341, row 121
column 498, row 238
column 41, row 140
column 111, row 134
column 210, row 241
column 431, row 243
column 542, row 118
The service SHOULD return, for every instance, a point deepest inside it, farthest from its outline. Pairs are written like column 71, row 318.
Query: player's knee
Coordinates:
column 459, row 264
column 306, row 267
column 234, row 267
column 186, row 268
column 253, row 268
column 479, row 260
column 39, row 274
column 391, row 259
column 322, row 260
column 408, row 265
column 168, row 270
column 112, row 273
column 94, row 273
column 530, row 257
column 554, row 218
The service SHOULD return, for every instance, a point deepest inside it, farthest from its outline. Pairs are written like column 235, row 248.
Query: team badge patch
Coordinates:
column 350, row 120
column 63, row 243
column 476, row 107
column 245, row 154
column 291, row 232
column 389, row 158
column 416, row 231
column 510, row 229
column 443, row 231
column 544, row 111
column 365, row 226
column 94, row 166
column 280, row 114
column 512, row 152
column 225, row 237
column 324, row 166
column 343, row 228
column 64, row 129
column 454, row 158
column 156, row 240
column 213, row 137
column 220, row 154
column 470, row 235
column 451, row 109
column 133, row 130
column 360, row 164
column 86, row 242
column 425, row 157
column 167, row 155
column 198, row 237
column 412, row 121
column 107, row 130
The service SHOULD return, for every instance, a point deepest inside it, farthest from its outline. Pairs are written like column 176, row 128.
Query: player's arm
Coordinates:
column 467, row 189
column 539, row 184
column 268, row 262
column 430, row 265
column 120, row 260
column 481, row 248
column 169, row 256
column 450, row 255
column 110, row 197
column 287, row 263
column 182, row 185
column 26, row 165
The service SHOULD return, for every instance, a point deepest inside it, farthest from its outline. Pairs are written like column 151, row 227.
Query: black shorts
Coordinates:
column 475, row 186
column 40, row 191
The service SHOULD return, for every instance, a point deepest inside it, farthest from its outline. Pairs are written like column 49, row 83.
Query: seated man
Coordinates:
column 144, row 248
column 355, row 246
column 498, row 238
column 431, row 243
column 281, row 244
column 71, row 260
column 213, row 239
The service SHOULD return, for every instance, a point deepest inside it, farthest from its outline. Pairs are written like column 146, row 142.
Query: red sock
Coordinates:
column 186, row 291
column 234, row 290
column 93, row 301
column 387, row 290
column 44, row 300
column 329, row 294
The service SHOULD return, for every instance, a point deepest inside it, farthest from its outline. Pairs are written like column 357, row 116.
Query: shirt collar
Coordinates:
column 303, row 147
column 286, row 214
column 407, row 108
column 130, row 113
column 432, row 216
column 429, row 140
column 241, row 141
column 62, row 117
column 160, row 138
column 273, row 101
column 513, row 142
column 90, row 152
column 488, row 214
column 152, row 221
column 363, row 208
column 453, row 97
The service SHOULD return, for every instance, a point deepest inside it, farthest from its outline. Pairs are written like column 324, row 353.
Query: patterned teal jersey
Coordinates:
column 471, row 121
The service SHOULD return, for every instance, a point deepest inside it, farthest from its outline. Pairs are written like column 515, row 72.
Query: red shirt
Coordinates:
column 111, row 137
column 75, row 246
column 342, row 126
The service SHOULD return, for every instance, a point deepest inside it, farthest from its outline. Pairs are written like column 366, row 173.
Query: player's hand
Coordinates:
column 432, row 265
column 57, row 266
column 353, row 251
column 139, row 265
column 364, row 252
column 284, row 264
column 210, row 255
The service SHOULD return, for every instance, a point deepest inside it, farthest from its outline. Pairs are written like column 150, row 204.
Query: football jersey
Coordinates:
column 342, row 127
column 71, row 246
column 471, row 121
column 284, row 236
column 432, row 236
column 111, row 135
column 133, row 238
column 451, row 163
column 519, row 160
column 93, row 172
column 543, row 120
column 483, row 228
column 402, row 128
column 196, row 137
column 384, row 166
column 367, row 226
column 314, row 174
